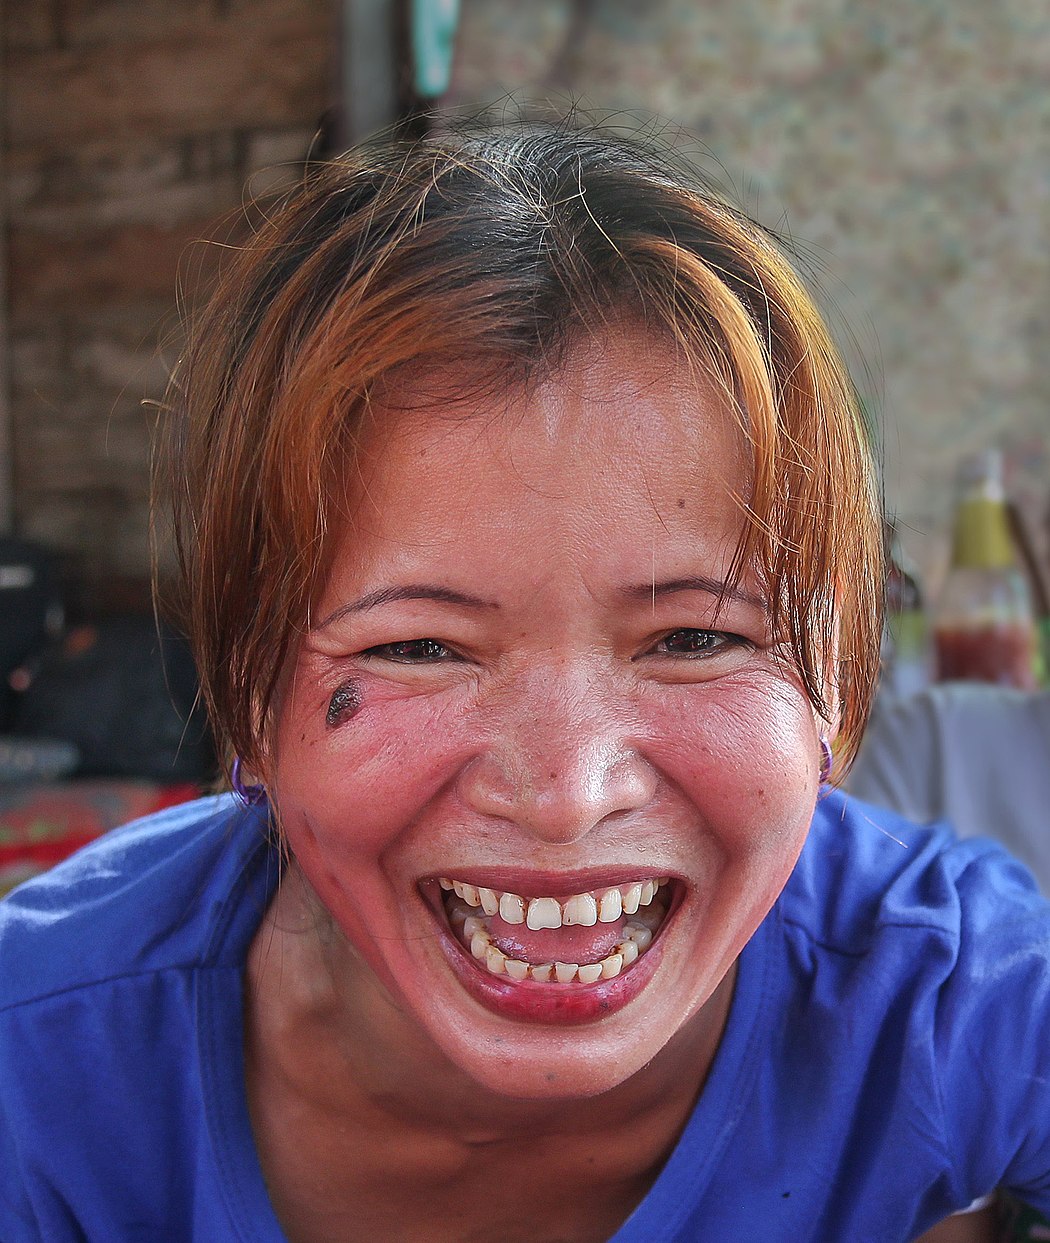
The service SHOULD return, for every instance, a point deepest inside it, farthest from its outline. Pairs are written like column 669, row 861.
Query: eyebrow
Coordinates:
column 409, row 591
column 699, row 582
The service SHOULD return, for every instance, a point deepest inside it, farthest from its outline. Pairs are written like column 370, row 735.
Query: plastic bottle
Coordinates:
column 985, row 627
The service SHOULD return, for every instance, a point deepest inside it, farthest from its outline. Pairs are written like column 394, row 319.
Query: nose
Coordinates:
column 557, row 770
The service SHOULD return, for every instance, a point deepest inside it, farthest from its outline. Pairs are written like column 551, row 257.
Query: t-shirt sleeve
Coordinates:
column 16, row 1217
column 992, row 1039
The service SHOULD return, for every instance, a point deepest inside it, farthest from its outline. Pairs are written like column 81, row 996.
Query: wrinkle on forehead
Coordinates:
column 610, row 387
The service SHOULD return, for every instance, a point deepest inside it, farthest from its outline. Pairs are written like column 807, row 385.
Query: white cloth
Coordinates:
column 975, row 755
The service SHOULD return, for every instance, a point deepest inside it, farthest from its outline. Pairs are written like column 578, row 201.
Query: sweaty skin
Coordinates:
column 547, row 700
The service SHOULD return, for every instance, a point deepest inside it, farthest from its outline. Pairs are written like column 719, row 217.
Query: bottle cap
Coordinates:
column 981, row 474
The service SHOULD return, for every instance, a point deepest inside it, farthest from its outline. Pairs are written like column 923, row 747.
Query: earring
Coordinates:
column 247, row 796
column 827, row 760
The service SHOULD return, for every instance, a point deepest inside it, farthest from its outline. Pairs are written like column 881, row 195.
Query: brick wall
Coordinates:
column 131, row 128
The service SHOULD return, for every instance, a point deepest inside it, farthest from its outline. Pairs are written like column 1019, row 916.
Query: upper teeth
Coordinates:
column 584, row 909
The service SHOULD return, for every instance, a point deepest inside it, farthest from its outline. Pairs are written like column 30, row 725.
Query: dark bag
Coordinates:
column 125, row 696
column 30, row 609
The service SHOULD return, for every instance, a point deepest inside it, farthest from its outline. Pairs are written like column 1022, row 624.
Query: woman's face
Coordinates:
column 519, row 681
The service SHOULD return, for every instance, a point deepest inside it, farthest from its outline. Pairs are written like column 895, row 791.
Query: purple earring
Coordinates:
column 247, row 796
column 827, row 760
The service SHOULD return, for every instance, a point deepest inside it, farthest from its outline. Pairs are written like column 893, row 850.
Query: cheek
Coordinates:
column 744, row 754
column 353, row 783
column 743, row 760
column 351, row 797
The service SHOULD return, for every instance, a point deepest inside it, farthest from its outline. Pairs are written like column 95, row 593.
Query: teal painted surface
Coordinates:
column 433, row 41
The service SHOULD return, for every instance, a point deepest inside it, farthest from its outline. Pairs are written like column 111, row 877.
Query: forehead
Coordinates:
column 624, row 413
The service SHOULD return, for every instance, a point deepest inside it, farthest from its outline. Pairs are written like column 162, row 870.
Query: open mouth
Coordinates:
column 585, row 938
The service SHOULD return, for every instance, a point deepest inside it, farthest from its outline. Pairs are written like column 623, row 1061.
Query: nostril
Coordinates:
column 560, row 802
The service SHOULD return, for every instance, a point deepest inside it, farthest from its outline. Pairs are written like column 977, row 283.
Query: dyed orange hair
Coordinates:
column 495, row 247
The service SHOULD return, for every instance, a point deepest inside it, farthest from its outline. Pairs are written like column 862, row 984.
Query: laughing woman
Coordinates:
column 531, row 555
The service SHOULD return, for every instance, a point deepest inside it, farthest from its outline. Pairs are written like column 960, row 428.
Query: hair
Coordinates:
column 496, row 246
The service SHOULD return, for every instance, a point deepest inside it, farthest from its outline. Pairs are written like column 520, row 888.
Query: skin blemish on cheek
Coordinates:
column 681, row 502
column 343, row 705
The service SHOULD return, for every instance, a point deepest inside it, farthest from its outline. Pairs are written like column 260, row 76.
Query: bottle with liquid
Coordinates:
column 985, row 627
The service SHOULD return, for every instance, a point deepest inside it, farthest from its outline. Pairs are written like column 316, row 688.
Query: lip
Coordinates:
column 554, row 1004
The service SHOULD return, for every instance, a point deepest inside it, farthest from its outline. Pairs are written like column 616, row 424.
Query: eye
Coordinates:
column 412, row 652
column 696, row 644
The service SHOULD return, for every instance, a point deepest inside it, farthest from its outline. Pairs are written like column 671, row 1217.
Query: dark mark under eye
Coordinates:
column 343, row 704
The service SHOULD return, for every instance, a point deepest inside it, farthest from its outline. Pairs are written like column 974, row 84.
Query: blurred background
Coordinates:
column 902, row 146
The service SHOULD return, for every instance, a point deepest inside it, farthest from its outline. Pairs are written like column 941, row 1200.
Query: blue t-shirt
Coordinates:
column 885, row 1061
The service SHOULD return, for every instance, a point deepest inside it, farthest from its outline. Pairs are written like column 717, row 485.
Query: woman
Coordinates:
column 531, row 547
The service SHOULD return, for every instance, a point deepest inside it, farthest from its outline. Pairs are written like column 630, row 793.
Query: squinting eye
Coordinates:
column 694, row 643
column 411, row 651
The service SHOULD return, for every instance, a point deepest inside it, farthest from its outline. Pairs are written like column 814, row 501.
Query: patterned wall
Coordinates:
column 903, row 144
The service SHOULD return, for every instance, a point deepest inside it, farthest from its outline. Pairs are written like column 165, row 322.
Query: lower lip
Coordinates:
column 556, row 1004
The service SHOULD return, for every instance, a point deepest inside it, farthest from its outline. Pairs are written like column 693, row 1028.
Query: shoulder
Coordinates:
column 865, row 870
column 149, row 896
column 925, row 960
